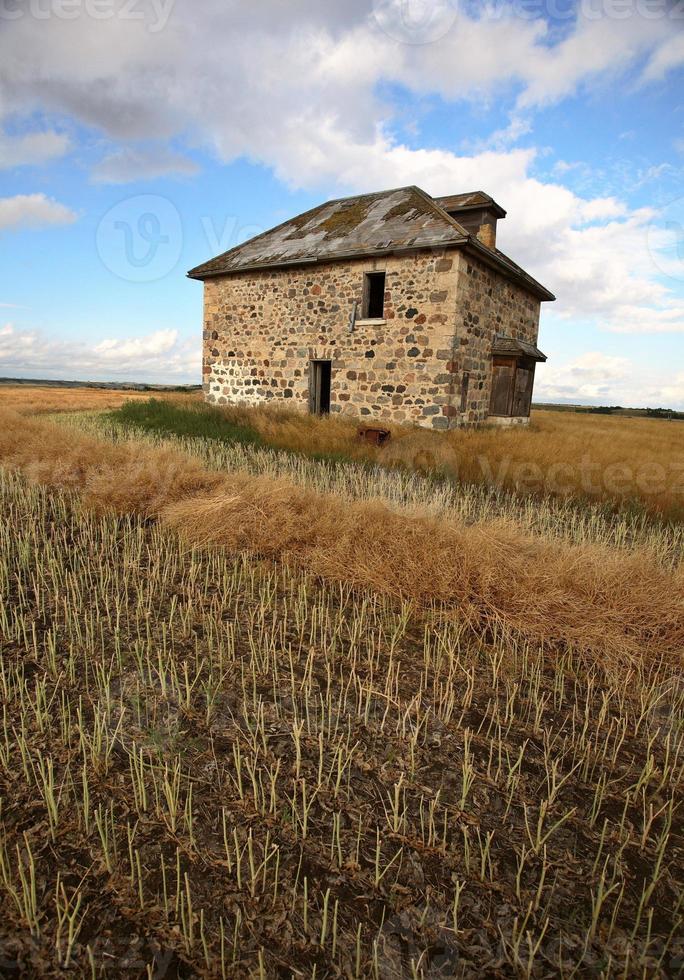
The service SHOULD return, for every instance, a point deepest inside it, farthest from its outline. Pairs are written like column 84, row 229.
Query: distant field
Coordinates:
column 271, row 709
column 39, row 399
column 664, row 414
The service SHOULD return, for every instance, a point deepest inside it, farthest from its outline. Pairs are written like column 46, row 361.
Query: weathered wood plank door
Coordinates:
column 503, row 376
column 522, row 395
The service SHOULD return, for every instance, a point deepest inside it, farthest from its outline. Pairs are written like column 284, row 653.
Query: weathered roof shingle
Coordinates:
column 473, row 199
column 510, row 347
column 385, row 221
column 371, row 224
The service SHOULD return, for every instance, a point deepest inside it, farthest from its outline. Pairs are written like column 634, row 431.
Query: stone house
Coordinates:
column 391, row 306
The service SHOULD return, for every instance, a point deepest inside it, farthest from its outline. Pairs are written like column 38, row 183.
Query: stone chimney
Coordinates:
column 477, row 212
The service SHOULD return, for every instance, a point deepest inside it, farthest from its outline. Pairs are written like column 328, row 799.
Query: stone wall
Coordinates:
column 261, row 329
column 488, row 304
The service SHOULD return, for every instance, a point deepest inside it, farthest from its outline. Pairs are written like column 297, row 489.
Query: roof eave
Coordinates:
column 467, row 242
column 486, row 202
column 496, row 208
column 498, row 262
column 197, row 272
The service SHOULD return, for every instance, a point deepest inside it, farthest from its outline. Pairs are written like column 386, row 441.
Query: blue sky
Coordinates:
column 140, row 137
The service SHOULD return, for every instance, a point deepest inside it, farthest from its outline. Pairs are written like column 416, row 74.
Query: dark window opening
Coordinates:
column 320, row 376
column 374, row 296
column 465, row 380
column 512, row 383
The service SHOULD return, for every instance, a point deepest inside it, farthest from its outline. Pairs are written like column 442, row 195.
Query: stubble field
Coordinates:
column 269, row 715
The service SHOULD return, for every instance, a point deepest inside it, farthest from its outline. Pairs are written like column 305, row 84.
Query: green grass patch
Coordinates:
column 196, row 420
column 200, row 420
column 206, row 421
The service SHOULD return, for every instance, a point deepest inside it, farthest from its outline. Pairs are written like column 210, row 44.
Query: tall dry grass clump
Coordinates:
column 126, row 478
column 581, row 597
column 589, row 598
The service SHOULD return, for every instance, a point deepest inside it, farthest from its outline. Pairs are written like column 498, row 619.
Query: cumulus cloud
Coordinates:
column 33, row 211
column 300, row 87
column 134, row 163
column 162, row 355
column 137, row 348
column 602, row 379
column 243, row 76
column 673, row 392
column 665, row 58
column 31, row 148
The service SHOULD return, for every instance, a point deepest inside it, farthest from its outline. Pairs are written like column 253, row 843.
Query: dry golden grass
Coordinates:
column 124, row 478
column 33, row 399
column 589, row 598
column 618, row 460
column 568, row 454
column 622, row 461
column 562, row 453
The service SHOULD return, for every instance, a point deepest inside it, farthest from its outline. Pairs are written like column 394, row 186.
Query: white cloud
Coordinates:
column 31, row 148
column 33, row 211
column 159, row 356
column 601, row 379
column 296, row 87
column 665, row 58
column 673, row 393
column 132, row 164
column 138, row 348
column 137, row 84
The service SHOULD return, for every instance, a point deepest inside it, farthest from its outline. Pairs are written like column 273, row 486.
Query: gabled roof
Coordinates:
column 383, row 223
column 510, row 347
column 470, row 201
column 386, row 221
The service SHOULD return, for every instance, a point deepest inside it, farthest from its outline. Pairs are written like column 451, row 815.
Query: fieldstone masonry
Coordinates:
column 442, row 310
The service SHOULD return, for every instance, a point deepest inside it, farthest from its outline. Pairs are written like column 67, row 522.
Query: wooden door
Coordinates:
column 503, row 378
column 522, row 394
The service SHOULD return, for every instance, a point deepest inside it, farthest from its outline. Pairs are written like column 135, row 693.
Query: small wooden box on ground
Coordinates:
column 374, row 434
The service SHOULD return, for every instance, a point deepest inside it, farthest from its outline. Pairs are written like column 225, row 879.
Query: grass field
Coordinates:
column 35, row 399
column 633, row 464
column 271, row 709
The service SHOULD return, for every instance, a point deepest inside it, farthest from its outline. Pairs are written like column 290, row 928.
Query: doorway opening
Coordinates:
column 320, row 374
